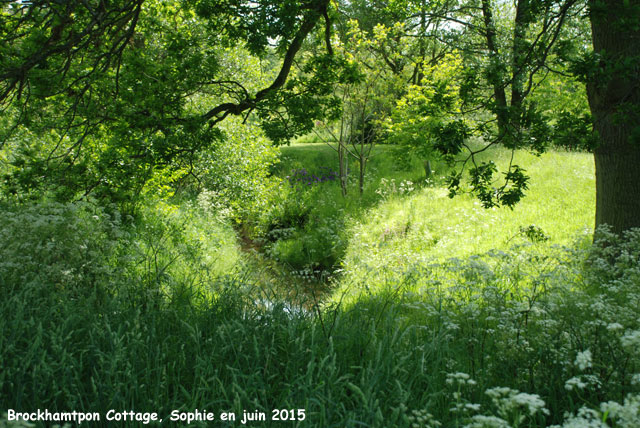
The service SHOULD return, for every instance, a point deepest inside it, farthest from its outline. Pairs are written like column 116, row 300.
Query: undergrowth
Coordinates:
column 516, row 338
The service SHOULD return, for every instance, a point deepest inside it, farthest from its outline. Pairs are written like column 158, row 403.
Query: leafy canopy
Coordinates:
column 98, row 96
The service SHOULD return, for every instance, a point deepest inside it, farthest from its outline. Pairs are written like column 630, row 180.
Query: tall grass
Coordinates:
column 377, row 362
column 159, row 313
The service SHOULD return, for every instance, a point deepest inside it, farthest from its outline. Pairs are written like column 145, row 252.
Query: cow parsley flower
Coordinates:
column 483, row 421
column 460, row 378
column 582, row 382
column 614, row 326
column 631, row 340
column 583, row 360
column 574, row 383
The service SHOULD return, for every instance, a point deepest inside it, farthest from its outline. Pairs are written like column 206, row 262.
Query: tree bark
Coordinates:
column 519, row 53
column 343, row 165
column 614, row 98
column 617, row 180
column 497, row 79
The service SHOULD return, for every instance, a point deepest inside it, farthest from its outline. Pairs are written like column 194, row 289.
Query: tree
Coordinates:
column 114, row 91
column 507, row 50
column 427, row 121
column 367, row 96
column 98, row 96
column 509, row 53
column 613, row 84
column 612, row 76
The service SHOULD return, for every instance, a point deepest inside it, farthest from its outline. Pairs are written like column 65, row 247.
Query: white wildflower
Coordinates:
column 626, row 415
column 586, row 418
column 500, row 392
column 507, row 400
column 581, row 382
column 423, row 419
column 532, row 402
column 631, row 340
column 583, row 360
column 460, row 378
column 482, row 421
column 614, row 326
column 574, row 383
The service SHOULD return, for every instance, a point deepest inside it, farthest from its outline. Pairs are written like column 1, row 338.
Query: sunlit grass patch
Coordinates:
column 427, row 225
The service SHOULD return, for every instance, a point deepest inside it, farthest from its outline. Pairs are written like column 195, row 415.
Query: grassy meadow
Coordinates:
column 403, row 219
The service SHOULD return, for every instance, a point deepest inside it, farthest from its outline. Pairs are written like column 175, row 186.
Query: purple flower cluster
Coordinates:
column 302, row 178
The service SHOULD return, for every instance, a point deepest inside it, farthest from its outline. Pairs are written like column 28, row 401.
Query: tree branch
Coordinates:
column 221, row 111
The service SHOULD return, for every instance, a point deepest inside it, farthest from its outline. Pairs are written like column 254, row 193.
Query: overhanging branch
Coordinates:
column 220, row 112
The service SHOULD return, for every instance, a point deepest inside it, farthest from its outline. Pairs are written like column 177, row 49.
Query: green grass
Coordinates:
column 396, row 224
column 382, row 164
column 377, row 362
column 156, row 316
column 308, row 225
column 427, row 225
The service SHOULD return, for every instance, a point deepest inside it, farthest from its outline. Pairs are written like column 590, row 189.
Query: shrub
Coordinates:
column 67, row 247
column 237, row 173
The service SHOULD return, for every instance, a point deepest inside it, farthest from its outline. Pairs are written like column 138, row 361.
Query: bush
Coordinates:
column 68, row 247
column 236, row 174
column 76, row 249
column 178, row 250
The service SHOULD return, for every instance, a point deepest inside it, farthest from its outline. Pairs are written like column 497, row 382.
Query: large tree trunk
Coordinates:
column 519, row 54
column 614, row 98
column 617, row 180
column 496, row 79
